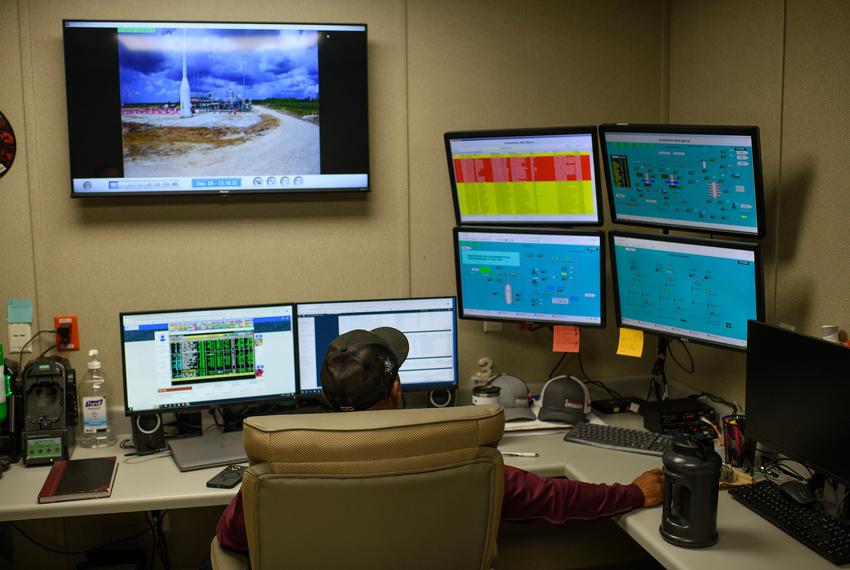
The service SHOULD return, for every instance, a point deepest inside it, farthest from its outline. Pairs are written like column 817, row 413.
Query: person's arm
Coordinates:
column 529, row 497
column 230, row 531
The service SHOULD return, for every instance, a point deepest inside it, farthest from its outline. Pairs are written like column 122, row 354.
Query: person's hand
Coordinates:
column 651, row 485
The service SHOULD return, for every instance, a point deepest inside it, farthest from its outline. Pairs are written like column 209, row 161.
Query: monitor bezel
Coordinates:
column 202, row 194
column 217, row 403
column 769, row 441
column 731, row 130
column 409, row 388
column 727, row 244
column 525, row 230
column 524, row 132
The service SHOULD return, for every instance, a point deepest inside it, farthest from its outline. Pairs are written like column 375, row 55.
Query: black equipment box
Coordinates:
column 682, row 415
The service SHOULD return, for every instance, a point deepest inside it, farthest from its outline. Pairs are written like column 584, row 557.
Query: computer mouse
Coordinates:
column 798, row 492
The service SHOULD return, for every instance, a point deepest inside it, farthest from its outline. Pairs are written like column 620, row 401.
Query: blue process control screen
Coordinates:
column 701, row 292
column 697, row 181
column 533, row 277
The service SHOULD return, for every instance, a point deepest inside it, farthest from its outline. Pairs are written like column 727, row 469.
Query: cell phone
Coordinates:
column 227, row 478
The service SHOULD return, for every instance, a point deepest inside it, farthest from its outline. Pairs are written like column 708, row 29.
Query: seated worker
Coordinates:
column 360, row 372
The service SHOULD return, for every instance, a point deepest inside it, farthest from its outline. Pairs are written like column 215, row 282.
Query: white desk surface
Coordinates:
column 142, row 483
column 154, row 482
column 746, row 540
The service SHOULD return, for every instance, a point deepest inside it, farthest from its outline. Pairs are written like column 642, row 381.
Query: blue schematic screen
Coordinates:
column 701, row 292
column 705, row 182
column 530, row 276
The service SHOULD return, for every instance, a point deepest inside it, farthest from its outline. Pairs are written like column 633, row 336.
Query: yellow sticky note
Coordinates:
column 631, row 342
column 566, row 339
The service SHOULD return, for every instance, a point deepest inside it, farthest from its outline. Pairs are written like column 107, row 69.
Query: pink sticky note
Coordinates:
column 566, row 339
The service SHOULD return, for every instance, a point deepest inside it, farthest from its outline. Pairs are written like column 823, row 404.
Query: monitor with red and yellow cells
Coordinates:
column 525, row 176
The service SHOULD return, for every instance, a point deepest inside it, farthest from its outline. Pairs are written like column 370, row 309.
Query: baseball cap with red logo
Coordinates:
column 564, row 399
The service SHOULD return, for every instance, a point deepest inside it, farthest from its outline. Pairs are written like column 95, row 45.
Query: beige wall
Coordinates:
column 436, row 66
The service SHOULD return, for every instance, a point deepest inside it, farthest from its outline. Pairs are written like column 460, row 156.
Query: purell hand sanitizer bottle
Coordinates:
column 96, row 431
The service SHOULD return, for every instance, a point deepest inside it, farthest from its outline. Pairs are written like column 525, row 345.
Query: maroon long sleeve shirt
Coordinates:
column 528, row 497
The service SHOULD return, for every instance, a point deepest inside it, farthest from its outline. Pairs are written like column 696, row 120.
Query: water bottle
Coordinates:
column 691, row 483
column 95, row 428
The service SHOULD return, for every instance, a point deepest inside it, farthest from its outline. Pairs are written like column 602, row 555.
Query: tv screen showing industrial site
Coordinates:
column 184, row 107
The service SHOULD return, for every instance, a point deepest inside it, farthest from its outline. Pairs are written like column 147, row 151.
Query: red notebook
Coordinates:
column 79, row 479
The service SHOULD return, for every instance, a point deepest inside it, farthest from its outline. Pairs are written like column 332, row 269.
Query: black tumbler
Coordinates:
column 691, row 483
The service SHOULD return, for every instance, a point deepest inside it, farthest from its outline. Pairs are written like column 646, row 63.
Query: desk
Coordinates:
column 154, row 482
column 142, row 483
column 746, row 539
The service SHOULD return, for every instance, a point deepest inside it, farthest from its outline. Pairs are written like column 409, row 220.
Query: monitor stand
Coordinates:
column 212, row 449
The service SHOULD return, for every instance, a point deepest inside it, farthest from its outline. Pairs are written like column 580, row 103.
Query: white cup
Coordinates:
column 829, row 332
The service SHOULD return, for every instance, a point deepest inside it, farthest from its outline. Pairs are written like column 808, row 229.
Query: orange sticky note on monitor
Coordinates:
column 631, row 342
column 566, row 338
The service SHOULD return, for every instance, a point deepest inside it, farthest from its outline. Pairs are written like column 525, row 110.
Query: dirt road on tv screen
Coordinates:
column 258, row 142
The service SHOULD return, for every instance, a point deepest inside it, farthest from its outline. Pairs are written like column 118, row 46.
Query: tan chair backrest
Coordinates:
column 381, row 489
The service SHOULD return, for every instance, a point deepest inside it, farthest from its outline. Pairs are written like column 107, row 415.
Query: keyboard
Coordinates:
column 623, row 439
column 820, row 531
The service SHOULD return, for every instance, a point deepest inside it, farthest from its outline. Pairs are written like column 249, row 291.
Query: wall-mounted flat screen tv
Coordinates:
column 203, row 107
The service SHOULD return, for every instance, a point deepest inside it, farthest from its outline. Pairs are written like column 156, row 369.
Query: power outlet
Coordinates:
column 19, row 334
column 71, row 341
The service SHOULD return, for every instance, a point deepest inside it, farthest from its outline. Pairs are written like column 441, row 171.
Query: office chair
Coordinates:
column 371, row 490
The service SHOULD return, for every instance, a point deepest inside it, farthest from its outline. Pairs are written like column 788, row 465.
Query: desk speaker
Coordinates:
column 148, row 436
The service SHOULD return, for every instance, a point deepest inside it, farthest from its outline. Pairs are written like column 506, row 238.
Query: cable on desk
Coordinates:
column 717, row 400
column 75, row 552
column 47, row 350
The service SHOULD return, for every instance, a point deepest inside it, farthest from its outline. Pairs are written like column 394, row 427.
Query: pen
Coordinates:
column 520, row 454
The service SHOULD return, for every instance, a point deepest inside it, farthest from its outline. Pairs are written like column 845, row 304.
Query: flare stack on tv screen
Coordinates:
column 202, row 107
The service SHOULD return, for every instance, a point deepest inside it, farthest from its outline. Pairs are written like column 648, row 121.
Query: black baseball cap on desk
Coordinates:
column 564, row 399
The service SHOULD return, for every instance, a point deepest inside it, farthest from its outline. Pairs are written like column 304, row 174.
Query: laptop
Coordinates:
column 209, row 450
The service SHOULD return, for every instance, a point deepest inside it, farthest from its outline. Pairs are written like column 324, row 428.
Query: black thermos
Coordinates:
column 691, row 480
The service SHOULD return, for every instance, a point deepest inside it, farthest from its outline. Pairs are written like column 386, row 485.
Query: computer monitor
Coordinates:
column 797, row 392
column 703, row 178
column 702, row 290
column 532, row 275
column 196, row 358
column 428, row 323
column 525, row 176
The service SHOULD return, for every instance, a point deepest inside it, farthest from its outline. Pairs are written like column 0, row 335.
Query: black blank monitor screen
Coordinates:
column 205, row 107
column 526, row 176
column 798, row 389
column 428, row 324
column 702, row 290
column 689, row 177
column 551, row 276
column 175, row 360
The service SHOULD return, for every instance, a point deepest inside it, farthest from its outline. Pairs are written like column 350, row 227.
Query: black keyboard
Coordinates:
column 820, row 531
column 623, row 439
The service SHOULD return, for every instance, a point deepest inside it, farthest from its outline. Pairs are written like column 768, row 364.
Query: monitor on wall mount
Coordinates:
column 687, row 177
column 525, row 176
column 215, row 108
column 530, row 275
column 696, row 289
